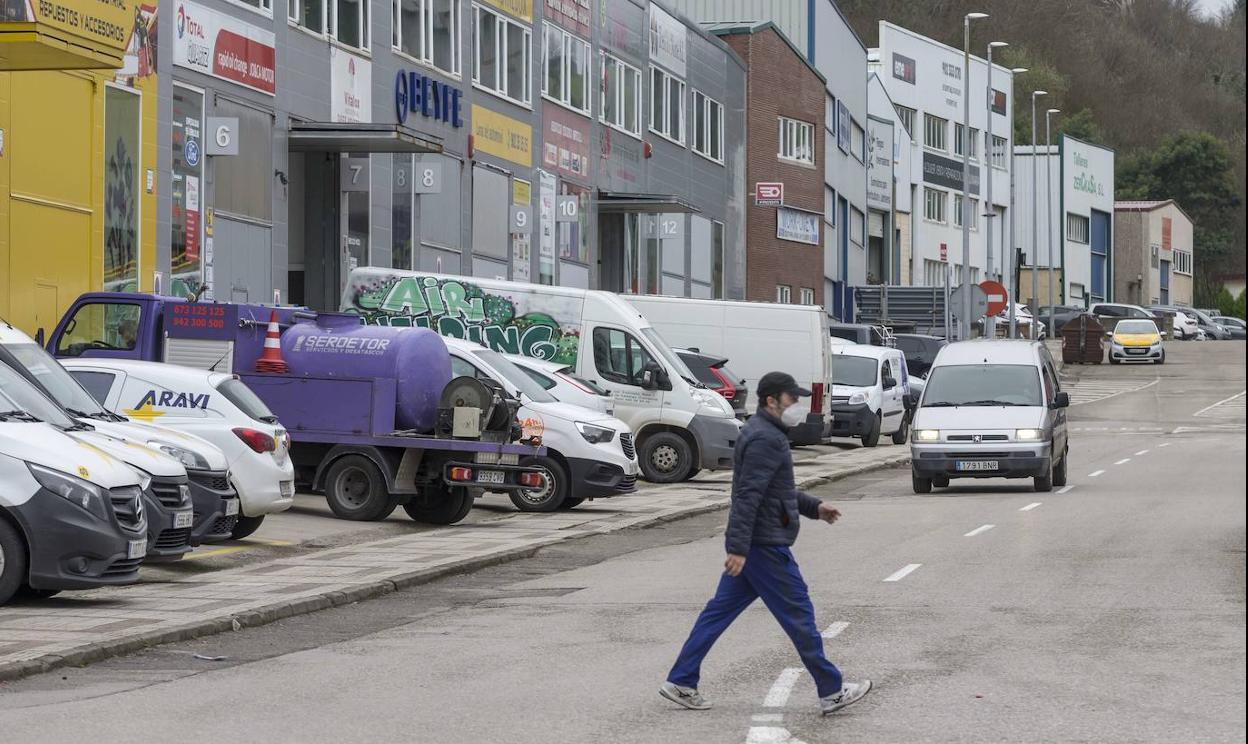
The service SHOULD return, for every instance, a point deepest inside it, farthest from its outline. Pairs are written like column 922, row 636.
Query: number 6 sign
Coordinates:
column 222, row 136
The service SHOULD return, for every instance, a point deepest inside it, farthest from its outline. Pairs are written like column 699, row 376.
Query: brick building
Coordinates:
column 785, row 145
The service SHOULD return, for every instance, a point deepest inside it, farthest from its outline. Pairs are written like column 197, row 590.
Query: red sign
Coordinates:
column 944, row 252
column 768, row 194
column 565, row 143
column 998, row 297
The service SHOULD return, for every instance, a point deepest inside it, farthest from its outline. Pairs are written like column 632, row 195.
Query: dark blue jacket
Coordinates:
column 765, row 499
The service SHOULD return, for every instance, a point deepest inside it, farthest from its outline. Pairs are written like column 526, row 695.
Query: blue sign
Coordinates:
column 191, row 151
column 415, row 93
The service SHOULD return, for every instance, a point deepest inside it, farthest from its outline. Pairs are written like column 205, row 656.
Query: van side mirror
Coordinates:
column 889, row 382
column 1061, row 400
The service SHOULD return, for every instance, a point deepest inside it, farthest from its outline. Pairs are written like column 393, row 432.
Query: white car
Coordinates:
column 213, row 405
column 561, row 382
column 1186, row 326
column 869, row 389
column 589, row 454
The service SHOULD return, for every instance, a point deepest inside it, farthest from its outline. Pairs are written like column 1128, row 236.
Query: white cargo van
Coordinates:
column 757, row 338
column 681, row 427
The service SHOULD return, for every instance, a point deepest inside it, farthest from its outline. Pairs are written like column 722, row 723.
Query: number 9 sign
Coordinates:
column 521, row 219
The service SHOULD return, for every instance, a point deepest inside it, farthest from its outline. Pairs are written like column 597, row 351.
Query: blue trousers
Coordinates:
column 771, row 573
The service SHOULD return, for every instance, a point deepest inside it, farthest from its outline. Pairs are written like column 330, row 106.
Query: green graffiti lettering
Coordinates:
column 404, row 297
column 435, row 297
column 505, row 339
column 459, row 304
column 536, row 342
column 453, row 327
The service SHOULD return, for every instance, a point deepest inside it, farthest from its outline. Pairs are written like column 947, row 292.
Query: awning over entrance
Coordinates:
column 322, row 137
column 621, row 201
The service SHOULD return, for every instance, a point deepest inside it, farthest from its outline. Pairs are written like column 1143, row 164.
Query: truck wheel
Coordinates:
column 872, row 438
column 666, row 458
column 440, row 506
column 921, row 485
column 12, row 561
column 245, row 526
column 553, row 491
column 1044, row 483
column 1059, row 472
column 571, row 503
column 356, row 490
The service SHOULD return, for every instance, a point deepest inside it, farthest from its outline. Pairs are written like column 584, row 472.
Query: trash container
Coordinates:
column 1083, row 340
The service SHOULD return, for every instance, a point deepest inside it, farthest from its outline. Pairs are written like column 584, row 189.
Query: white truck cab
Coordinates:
column 681, row 427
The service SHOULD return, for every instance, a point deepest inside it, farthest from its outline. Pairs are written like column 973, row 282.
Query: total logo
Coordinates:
column 187, row 25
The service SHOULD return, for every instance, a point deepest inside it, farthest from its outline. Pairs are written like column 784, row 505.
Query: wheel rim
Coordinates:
column 665, row 458
column 1, row 560
column 352, row 486
column 549, row 485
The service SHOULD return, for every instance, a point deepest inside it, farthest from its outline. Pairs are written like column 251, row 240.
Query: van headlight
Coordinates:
column 1028, row 435
column 927, row 435
column 858, row 398
column 77, row 491
column 190, row 460
column 594, row 434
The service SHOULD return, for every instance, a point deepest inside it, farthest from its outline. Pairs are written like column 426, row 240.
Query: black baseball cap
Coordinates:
column 775, row 383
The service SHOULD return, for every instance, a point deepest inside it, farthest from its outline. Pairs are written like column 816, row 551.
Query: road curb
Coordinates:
column 271, row 613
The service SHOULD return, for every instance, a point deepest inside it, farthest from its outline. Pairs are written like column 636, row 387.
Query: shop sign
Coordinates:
column 502, row 136
column 947, row 172
column 415, row 93
column 998, row 102
column 222, row 137
column 768, row 194
column 797, row 226
column 224, row 47
column 843, row 131
column 99, row 29
column 668, row 41
column 879, row 163
column 565, row 143
column 351, row 87
column 574, row 15
column 521, row 9
column 903, row 68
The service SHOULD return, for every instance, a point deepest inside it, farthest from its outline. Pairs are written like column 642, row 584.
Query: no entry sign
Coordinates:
column 998, row 297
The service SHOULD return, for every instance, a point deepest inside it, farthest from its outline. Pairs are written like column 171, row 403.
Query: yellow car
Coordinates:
column 1136, row 341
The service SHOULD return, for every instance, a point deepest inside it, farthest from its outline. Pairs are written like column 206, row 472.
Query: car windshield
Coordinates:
column 589, row 385
column 982, row 385
column 20, row 396
column 515, row 376
column 248, row 402
column 1136, row 326
column 664, row 350
column 854, row 371
column 57, row 381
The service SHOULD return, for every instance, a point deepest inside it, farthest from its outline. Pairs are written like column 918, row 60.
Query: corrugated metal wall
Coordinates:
column 788, row 15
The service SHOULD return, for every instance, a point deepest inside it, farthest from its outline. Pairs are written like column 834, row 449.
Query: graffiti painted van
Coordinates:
column 681, row 427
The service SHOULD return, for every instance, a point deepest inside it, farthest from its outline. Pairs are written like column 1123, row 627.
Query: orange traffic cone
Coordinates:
column 271, row 358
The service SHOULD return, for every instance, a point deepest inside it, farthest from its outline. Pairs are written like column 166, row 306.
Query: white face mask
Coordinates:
column 792, row 416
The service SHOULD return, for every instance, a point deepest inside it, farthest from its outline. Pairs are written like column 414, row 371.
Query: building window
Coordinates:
column 427, row 30
column 906, row 116
column 708, row 127
column 957, row 212
column 188, row 117
column 348, row 22
column 935, row 132
column 1000, row 146
column 857, row 227
column 797, row 141
column 717, row 260
column 784, row 294
column 807, row 296
column 309, row 14
column 621, row 95
column 504, row 58
column 264, row 6
column 667, row 106
column 934, row 273
column 829, row 115
column 1078, row 228
column 859, row 143
column 567, row 69
column 934, row 205
column 959, row 138
column 1182, row 262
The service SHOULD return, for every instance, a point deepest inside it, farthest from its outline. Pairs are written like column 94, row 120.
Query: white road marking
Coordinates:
column 1141, row 453
column 1123, row 461
column 770, row 735
column 1234, row 398
column 903, row 572
column 1092, row 391
column 1096, row 474
column 1163, row 444
column 1030, row 506
column 1065, row 489
column 778, row 695
column 979, row 530
column 835, row 629
column 767, row 717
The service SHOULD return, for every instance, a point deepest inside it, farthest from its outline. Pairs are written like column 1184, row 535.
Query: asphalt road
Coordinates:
column 1111, row 612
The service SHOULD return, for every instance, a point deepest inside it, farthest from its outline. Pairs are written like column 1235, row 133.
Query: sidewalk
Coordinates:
column 82, row 627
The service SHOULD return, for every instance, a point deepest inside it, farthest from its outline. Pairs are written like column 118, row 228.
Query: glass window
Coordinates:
column 402, row 249
column 491, row 195
column 784, row 294
column 667, row 105
column 619, row 357
column 187, row 136
column 959, row 138
column 957, row 212
column 857, row 226
column 308, row 13
column 444, row 210
column 60, row 385
column 1077, row 228
column 538, row 377
column 246, row 401
column 265, row 6
column 358, row 213
column 717, row 260
column 244, row 183
column 797, row 141
column 566, row 59
column 1000, row 146
column 708, row 127
column 983, row 385
column 906, row 117
column 428, row 30
column 807, row 296
column 122, row 113
column 935, row 132
column 503, row 55
column 100, row 325
column 854, row 371
column 350, row 23
column 19, row 394
column 444, row 53
column 934, row 204
column 98, row 384
column 858, row 143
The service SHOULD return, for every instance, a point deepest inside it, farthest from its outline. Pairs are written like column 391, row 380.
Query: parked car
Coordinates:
column 1136, row 340
column 991, row 409
column 861, row 333
column 1213, row 330
column 920, row 351
column 1185, row 324
column 213, row 405
column 560, row 380
column 869, row 389
column 713, row 372
column 1061, row 315
column 1233, row 326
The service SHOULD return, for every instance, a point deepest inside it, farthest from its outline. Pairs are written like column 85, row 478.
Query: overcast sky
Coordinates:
column 1212, row 7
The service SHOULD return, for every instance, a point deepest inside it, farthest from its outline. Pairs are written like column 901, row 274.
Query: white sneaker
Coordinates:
column 686, row 696
column 851, row 692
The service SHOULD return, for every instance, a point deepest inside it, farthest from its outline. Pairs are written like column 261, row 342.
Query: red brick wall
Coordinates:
column 779, row 83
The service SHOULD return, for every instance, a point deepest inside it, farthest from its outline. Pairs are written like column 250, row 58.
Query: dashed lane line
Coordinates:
column 1064, row 489
column 1123, row 461
column 778, row 695
column 903, row 572
column 835, row 629
column 979, row 530
column 1096, row 474
column 1032, row 505
column 1141, row 453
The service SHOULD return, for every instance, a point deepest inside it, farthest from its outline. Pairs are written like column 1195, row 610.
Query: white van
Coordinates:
column 757, row 338
column 870, row 385
column 589, row 454
column 681, row 427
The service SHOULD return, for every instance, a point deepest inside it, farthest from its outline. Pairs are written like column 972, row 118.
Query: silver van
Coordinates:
column 991, row 409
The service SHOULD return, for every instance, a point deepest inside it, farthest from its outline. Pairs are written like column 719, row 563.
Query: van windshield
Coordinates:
column 983, row 385
column 515, row 376
column 664, row 350
column 57, row 381
column 854, row 371
column 19, row 396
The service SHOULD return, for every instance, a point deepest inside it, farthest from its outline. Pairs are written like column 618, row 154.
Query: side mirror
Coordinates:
column 39, row 336
column 1061, row 400
column 889, row 382
column 651, row 377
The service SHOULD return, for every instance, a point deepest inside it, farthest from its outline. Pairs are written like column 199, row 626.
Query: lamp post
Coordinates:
column 1035, row 217
column 965, row 279
column 1048, row 208
column 990, row 323
column 1011, row 277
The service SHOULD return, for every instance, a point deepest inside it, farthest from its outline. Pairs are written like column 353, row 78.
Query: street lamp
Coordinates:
column 990, row 323
column 1035, row 215
column 966, row 172
column 1048, row 208
column 1011, row 282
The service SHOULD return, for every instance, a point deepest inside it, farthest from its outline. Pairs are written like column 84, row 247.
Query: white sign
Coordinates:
column 668, row 41
column 192, row 194
column 797, row 226
column 567, row 209
column 351, row 86
column 879, row 164
column 222, row 135
column 224, row 47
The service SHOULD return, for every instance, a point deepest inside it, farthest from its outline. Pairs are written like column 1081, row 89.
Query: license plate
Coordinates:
column 977, row 465
column 1137, row 351
column 183, row 519
column 231, row 507
column 136, row 549
column 288, row 489
column 491, row 476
